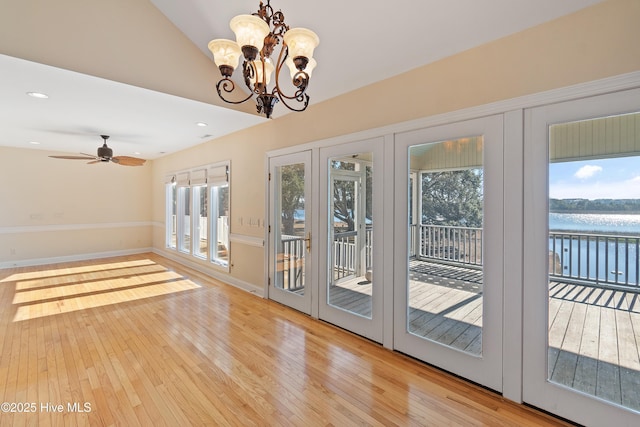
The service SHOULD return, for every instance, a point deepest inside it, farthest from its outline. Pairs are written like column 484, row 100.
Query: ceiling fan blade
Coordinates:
column 128, row 161
column 95, row 161
column 73, row 157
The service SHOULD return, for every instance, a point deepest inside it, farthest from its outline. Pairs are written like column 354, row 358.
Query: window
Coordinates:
column 200, row 241
column 219, row 190
column 197, row 213
column 200, row 206
column 171, row 213
column 184, row 214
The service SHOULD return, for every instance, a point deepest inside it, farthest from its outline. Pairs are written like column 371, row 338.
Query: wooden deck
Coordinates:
column 445, row 303
column 594, row 340
column 594, row 334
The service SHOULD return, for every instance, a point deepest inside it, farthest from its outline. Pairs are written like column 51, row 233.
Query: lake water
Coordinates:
column 595, row 223
column 609, row 260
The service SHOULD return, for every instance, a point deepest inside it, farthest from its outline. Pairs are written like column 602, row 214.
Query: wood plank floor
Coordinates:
column 594, row 333
column 594, row 341
column 140, row 340
column 445, row 303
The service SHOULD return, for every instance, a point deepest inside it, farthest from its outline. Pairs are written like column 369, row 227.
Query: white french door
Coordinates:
column 448, row 252
column 290, row 240
column 351, row 243
column 581, row 319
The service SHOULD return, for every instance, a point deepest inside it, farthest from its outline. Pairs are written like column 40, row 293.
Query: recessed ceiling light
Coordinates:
column 137, row 152
column 38, row 95
column 34, row 142
column 201, row 124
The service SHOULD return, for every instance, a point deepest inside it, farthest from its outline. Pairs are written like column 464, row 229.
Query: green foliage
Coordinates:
column 595, row 206
column 452, row 198
column 346, row 193
column 292, row 195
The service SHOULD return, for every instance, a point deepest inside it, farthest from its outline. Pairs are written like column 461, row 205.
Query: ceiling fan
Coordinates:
column 105, row 154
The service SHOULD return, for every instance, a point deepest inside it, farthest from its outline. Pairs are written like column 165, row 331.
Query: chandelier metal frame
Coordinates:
column 257, row 64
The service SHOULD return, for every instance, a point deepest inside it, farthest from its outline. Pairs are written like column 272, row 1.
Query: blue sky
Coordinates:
column 596, row 179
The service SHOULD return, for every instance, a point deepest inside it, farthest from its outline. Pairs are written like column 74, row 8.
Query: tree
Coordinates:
column 452, row 198
column 344, row 203
column 346, row 193
column 292, row 195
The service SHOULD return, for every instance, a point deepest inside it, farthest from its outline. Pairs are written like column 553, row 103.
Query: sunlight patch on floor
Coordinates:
column 62, row 271
column 63, row 290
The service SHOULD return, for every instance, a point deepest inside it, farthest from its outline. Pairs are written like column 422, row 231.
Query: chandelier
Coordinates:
column 257, row 36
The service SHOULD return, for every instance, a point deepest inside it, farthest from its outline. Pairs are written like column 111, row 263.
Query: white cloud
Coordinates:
column 587, row 171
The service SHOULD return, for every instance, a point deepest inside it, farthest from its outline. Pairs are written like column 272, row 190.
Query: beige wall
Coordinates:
column 55, row 208
column 597, row 42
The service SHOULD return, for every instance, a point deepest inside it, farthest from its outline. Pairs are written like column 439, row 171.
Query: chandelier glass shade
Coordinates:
column 257, row 37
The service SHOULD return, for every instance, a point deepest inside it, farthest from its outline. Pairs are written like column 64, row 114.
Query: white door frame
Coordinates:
column 370, row 328
column 487, row 368
column 537, row 390
column 303, row 302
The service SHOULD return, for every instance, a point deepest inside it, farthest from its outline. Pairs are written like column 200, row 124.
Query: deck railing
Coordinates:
column 449, row 244
column 606, row 260
column 222, row 228
column 290, row 269
column 592, row 259
column 345, row 253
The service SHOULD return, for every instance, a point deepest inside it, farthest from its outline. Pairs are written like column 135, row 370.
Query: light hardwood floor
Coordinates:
column 144, row 341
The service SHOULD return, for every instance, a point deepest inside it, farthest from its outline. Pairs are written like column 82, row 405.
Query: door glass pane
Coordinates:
column 184, row 214
column 200, row 206
column 220, row 224
column 172, row 210
column 594, row 241
column 290, row 228
column 445, row 263
column 350, row 234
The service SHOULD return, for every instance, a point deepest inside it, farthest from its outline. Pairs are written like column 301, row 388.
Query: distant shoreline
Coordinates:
column 597, row 206
column 597, row 212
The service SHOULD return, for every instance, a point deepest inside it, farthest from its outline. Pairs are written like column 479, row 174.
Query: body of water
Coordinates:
column 606, row 259
column 595, row 223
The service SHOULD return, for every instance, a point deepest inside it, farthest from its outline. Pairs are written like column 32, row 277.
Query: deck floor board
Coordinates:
column 594, row 333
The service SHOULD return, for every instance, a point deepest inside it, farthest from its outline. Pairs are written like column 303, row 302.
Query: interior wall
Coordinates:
column 53, row 208
column 594, row 43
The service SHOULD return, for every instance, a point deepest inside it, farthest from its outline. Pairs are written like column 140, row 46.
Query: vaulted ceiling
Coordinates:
column 360, row 43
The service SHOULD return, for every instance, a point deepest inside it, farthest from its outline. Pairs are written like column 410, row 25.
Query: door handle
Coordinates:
column 308, row 240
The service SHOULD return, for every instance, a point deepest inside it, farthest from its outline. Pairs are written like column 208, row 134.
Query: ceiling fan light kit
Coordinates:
column 257, row 36
column 105, row 155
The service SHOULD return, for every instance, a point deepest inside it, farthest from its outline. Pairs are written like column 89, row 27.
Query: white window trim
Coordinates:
column 209, row 176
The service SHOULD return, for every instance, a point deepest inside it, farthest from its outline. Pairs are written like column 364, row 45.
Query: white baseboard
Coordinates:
column 70, row 258
column 218, row 275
